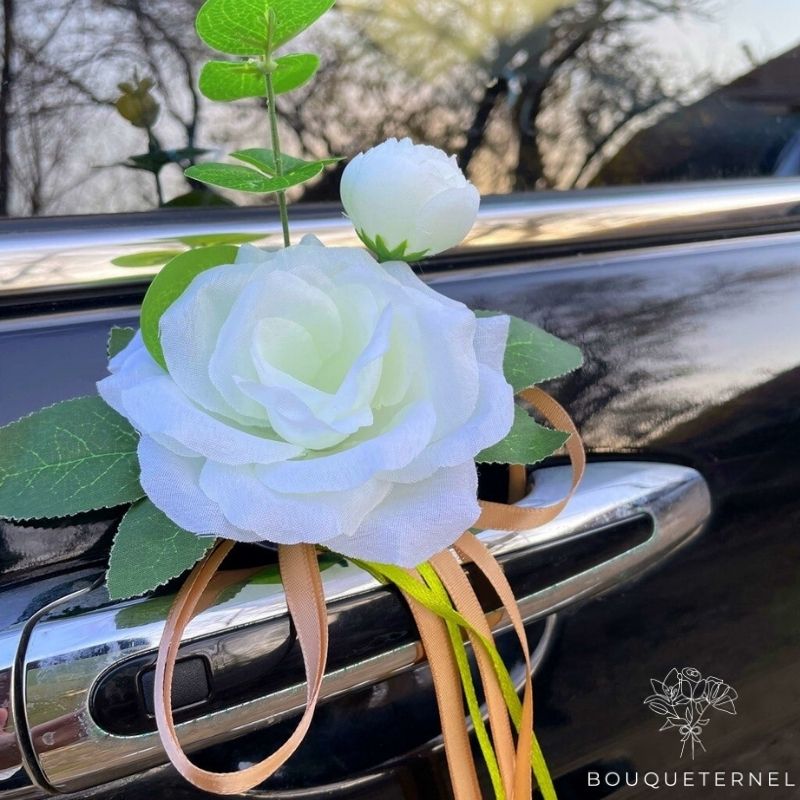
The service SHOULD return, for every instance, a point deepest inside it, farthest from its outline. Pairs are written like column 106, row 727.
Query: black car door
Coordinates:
column 661, row 605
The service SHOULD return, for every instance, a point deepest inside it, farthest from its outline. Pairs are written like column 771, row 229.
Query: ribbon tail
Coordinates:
column 444, row 671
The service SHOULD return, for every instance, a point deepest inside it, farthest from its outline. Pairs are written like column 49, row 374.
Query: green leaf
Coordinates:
column 149, row 550
column 294, row 71
column 118, row 339
column 212, row 239
column 151, row 258
column 225, row 81
column 239, row 27
column 76, row 456
column 528, row 442
column 264, row 160
column 533, row 355
column 244, row 179
column 170, row 284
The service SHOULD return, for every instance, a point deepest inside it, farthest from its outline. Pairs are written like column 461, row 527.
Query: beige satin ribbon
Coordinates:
column 306, row 602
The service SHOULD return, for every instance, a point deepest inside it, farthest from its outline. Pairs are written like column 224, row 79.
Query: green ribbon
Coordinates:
column 441, row 605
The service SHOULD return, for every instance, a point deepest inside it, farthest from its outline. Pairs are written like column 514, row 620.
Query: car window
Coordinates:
column 99, row 109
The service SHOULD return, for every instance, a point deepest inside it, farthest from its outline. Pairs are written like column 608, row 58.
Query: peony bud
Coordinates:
column 408, row 201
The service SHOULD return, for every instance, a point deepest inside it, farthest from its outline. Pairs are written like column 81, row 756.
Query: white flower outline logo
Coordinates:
column 685, row 698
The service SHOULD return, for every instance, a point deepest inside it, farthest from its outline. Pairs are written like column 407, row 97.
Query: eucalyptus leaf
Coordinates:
column 151, row 258
column 294, row 71
column 264, row 160
column 170, row 283
column 212, row 239
column 225, row 81
column 239, row 27
column 149, row 550
column 528, row 442
column 75, row 456
column 244, row 179
column 118, row 339
column 533, row 355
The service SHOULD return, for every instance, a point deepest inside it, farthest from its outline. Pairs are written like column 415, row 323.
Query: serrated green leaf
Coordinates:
column 151, row 258
column 149, row 550
column 533, row 355
column 170, row 284
column 225, row 81
column 76, row 456
column 239, row 27
column 118, row 339
column 528, row 442
column 294, row 71
column 244, row 179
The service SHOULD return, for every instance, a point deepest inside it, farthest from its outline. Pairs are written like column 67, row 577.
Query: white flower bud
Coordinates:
column 408, row 201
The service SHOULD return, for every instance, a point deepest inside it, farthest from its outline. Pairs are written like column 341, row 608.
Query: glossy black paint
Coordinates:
column 693, row 356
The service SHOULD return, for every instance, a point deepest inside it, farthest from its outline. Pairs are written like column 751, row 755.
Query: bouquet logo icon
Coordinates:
column 687, row 700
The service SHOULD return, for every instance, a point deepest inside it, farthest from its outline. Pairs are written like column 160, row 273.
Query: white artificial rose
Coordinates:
column 313, row 395
column 409, row 195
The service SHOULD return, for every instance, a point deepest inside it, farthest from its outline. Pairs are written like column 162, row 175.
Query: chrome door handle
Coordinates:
column 69, row 655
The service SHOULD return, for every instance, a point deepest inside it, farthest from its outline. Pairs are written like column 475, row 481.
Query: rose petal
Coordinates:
column 159, row 407
column 173, row 485
column 287, row 518
column 417, row 521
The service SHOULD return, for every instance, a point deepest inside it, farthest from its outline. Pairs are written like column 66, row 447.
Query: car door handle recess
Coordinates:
column 625, row 518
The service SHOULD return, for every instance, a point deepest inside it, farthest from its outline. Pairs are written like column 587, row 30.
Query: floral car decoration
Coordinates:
column 318, row 399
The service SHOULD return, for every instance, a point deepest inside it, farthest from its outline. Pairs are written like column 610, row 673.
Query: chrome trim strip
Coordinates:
column 48, row 254
column 73, row 650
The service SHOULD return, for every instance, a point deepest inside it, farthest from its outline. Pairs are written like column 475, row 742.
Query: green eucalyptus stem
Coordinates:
column 272, row 110
column 276, row 149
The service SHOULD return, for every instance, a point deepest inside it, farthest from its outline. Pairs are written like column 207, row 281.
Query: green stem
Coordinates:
column 272, row 110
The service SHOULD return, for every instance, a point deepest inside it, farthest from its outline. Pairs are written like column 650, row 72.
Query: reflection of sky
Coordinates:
column 736, row 33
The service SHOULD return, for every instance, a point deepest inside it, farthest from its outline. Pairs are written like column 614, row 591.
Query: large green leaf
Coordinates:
column 533, row 355
column 239, row 27
column 149, row 550
column 224, row 81
column 118, row 339
column 72, row 457
column 170, row 284
column 244, row 179
column 527, row 442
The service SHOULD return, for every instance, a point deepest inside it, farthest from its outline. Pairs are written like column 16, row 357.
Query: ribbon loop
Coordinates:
column 304, row 597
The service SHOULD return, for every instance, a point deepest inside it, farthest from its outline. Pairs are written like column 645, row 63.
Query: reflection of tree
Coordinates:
column 530, row 93
column 5, row 104
column 640, row 336
column 69, row 59
column 573, row 84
